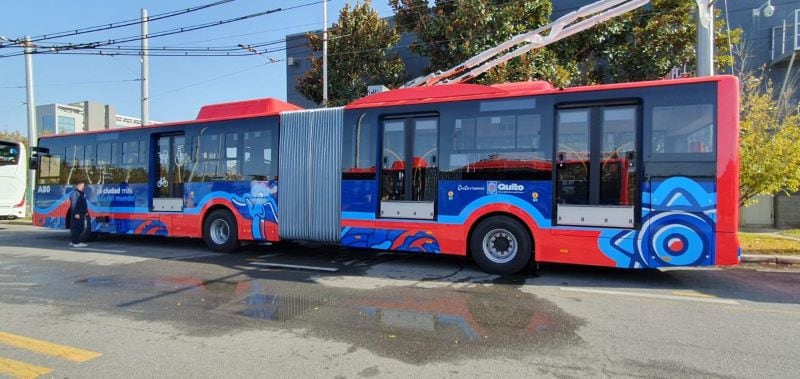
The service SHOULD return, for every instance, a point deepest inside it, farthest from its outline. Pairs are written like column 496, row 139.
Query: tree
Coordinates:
column 14, row 136
column 641, row 45
column 769, row 142
column 456, row 30
column 644, row 45
column 359, row 55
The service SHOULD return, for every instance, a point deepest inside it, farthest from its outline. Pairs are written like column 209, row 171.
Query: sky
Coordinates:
column 179, row 86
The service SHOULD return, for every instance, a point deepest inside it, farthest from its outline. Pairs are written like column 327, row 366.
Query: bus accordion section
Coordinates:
column 634, row 175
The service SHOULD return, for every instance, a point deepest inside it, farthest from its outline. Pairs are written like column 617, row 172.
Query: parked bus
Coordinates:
column 635, row 175
column 13, row 179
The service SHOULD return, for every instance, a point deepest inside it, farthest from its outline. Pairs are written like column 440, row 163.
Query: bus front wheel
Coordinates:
column 220, row 232
column 501, row 245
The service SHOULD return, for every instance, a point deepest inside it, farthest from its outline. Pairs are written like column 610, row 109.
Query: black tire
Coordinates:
column 220, row 232
column 501, row 245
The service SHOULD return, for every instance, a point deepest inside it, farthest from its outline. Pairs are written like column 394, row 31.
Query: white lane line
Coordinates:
column 7, row 276
column 196, row 256
column 18, row 284
column 651, row 295
column 328, row 269
column 98, row 250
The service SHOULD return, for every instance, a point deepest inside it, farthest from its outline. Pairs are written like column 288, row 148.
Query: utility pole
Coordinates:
column 705, row 37
column 32, row 137
column 145, row 72
column 325, row 53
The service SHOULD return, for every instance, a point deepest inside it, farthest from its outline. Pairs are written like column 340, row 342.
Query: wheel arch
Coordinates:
column 525, row 224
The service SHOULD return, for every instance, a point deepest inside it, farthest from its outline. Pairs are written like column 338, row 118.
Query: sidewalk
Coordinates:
column 775, row 259
column 765, row 258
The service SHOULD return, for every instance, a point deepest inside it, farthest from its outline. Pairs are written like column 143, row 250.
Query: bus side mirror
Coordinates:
column 37, row 152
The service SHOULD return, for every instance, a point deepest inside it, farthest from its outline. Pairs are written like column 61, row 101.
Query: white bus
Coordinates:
column 13, row 179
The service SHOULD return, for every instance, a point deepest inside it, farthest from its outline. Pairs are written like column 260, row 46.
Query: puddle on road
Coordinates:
column 415, row 325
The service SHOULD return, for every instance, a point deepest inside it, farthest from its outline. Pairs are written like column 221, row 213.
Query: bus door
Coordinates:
column 409, row 167
column 169, row 157
column 597, row 180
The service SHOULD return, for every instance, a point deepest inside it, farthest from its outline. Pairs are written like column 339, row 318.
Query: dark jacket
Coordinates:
column 78, row 204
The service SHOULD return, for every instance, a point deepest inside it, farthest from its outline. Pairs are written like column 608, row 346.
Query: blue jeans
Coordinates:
column 76, row 228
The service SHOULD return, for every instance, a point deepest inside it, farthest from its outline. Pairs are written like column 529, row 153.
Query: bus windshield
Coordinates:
column 9, row 153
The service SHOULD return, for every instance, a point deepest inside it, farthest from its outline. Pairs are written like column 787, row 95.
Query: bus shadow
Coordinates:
column 335, row 266
column 744, row 282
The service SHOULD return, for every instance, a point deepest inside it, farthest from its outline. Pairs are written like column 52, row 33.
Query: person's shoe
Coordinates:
column 80, row 245
column 71, row 244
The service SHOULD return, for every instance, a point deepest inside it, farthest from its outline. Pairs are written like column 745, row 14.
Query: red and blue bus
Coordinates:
column 634, row 175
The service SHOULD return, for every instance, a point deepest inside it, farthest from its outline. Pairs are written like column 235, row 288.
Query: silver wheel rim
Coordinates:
column 220, row 231
column 500, row 246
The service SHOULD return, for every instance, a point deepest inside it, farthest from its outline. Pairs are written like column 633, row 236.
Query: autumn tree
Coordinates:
column 769, row 142
column 644, row 44
column 456, row 30
column 359, row 54
column 14, row 136
column 641, row 45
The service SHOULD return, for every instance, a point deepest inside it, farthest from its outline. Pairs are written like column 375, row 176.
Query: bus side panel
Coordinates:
column 728, row 172
column 51, row 207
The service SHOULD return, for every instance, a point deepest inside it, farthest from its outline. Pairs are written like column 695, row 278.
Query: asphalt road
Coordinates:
column 147, row 307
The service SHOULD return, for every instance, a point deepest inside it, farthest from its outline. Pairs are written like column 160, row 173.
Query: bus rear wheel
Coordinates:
column 220, row 232
column 501, row 245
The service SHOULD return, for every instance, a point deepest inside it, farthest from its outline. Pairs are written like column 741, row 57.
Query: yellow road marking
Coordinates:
column 48, row 348
column 693, row 294
column 17, row 369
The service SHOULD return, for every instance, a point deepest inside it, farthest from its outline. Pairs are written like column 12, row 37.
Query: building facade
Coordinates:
column 82, row 116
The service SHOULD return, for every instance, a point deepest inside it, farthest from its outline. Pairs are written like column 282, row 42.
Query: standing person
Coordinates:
column 79, row 211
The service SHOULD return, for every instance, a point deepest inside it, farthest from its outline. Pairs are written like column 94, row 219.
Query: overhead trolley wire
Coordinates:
column 114, row 25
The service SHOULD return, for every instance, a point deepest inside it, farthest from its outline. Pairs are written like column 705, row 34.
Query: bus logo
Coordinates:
column 491, row 187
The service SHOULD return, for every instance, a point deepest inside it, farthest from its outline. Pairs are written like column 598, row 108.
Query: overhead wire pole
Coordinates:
column 32, row 137
column 324, row 53
column 145, row 72
column 705, row 37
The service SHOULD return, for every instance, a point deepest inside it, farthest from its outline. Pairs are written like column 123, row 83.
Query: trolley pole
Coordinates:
column 32, row 137
column 705, row 37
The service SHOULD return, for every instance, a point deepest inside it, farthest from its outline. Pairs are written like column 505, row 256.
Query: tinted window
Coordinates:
column 9, row 153
column 503, row 146
column 260, row 153
column 358, row 150
column 134, row 168
column 683, row 129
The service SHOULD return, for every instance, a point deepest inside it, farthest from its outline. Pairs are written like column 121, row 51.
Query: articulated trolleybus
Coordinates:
column 635, row 175
column 13, row 179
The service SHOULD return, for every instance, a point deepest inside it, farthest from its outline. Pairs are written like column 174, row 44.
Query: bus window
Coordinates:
column 260, row 154
column 49, row 169
column 500, row 147
column 133, row 171
column 209, row 147
column 9, row 154
column 358, row 149
column 683, row 129
column 232, row 157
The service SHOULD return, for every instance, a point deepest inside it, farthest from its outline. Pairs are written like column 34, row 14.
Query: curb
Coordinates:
column 776, row 259
column 17, row 222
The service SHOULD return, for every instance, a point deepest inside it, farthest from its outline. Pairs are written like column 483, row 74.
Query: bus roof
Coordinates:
column 216, row 112
column 462, row 92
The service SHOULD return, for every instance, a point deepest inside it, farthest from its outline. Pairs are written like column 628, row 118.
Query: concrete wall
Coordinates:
column 787, row 211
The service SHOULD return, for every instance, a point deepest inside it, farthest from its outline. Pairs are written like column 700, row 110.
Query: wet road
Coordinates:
column 163, row 307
